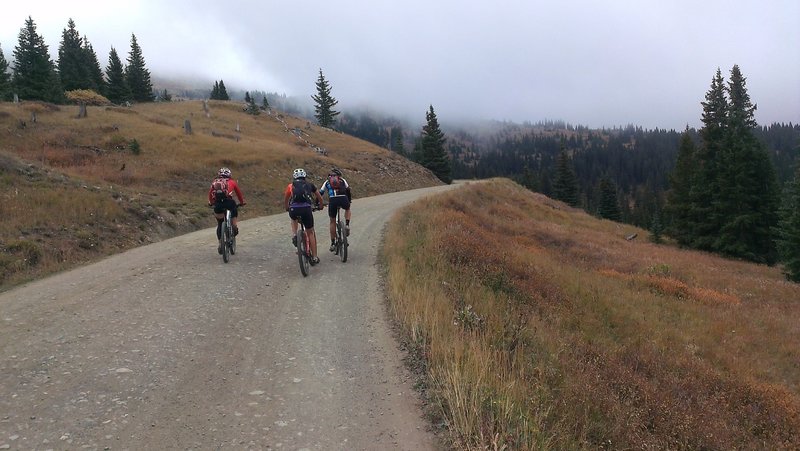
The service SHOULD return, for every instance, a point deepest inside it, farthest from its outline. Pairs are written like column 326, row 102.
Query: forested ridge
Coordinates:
column 638, row 160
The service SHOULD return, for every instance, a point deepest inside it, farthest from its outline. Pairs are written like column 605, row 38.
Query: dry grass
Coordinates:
column 542, row 327
column 58, row 170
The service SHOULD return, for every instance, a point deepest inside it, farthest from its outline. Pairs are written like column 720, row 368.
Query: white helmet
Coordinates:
column 224, row 172
column 299, row 173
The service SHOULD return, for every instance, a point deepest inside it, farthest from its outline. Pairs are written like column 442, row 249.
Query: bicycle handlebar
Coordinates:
column 237, row 205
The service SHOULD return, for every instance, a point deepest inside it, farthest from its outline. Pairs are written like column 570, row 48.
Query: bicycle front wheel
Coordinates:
column 302, row 252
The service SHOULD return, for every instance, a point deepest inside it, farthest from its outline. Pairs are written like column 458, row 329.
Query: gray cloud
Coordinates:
column 590, row 63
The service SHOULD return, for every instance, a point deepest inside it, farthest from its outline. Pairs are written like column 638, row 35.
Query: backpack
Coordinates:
column 220, row 188
column 335, row 183
column 300, row 192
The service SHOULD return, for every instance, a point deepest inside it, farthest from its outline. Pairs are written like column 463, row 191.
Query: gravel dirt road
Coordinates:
column 167, row 347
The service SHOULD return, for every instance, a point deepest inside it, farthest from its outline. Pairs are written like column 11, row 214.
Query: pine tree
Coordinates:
column 748, row 196
column 214, row 91
column 656, row 227
column 136, row 74
column 789, row 232
column 247, row 98
column 117, row 87
column 252, row 108
column 223, row 93
column 705, row 189
column 324, row 112
column 5, row 78
column 264, row 102
column 565, row 187
column 609, row 205
column 397, row 141
column 96, row 81
column 72, row 60
column 434, row 155
column 35, row 76
column 679, row 197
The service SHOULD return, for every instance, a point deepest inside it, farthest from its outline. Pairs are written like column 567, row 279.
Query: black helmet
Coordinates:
column 336, row 171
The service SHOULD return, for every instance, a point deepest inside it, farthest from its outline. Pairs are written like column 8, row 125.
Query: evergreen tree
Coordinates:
column 117, row 87
column 247, row 98
column 96, row 81
column 679, row 200
column 565, row 187
column 528, row 179
column 223, row 93
column 5, row 78
column 72, row 60
column 165, row 96
column 136, row 74
column 434, row 155
column 324, row 112
column 705, row 188
column 656, row 228
column 35, row 76
column 789, row 236
column 214, row 91
column 397, row 141
column 748, row 196
column 252, row 108
column 264, row 102
column 609, row 205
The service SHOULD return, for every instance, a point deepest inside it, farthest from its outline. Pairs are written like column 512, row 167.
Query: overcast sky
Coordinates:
column 593, row 63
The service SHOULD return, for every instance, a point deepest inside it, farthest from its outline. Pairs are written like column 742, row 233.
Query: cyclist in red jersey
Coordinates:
column 220, row 195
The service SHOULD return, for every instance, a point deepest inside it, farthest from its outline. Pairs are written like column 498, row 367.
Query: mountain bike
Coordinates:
column 304, row 247
column 341, row 237
column 227, row 239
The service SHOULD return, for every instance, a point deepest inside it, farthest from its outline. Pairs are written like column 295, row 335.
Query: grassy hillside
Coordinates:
column 539, row 326
column 74, row 190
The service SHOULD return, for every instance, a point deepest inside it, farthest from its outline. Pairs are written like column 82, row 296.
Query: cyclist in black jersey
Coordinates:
column 339, row 196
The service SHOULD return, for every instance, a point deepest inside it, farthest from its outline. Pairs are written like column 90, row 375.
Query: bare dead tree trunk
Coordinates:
column 187, row 127
column 82, row 110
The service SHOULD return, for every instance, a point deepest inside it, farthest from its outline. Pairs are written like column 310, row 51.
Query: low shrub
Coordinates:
column 86, row 96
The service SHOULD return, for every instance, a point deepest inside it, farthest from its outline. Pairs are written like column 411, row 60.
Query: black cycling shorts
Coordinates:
column 304, row 214
column 337, row 202
column 227, row 204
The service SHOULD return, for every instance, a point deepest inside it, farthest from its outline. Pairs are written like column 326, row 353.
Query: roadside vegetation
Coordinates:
column 73, row 190
column 535, row 325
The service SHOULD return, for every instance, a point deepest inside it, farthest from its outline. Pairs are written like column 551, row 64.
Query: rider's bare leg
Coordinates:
column 312, row 238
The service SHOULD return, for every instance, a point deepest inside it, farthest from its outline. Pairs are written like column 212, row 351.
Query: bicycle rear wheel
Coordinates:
column 232, row 237
column 226, row 232
column 302, row 252
column 342, row 240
